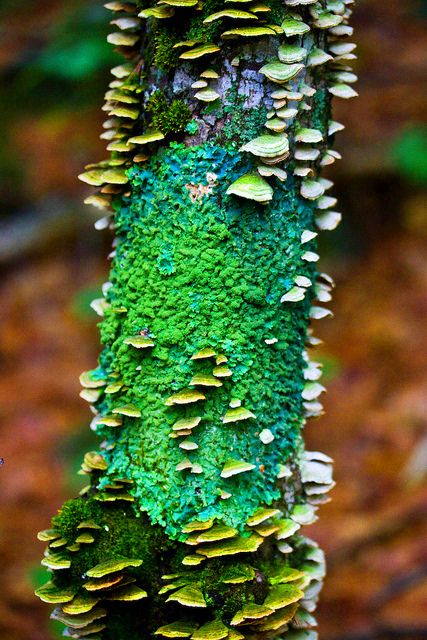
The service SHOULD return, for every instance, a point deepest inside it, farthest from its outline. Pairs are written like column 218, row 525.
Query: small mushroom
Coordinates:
column 188, row 445
column 290, row 53
column 231, row 547
column 272, row 171
column 200, row 51
column 179, row 629
column 207, row 95
column 318, row 57
column 197, row 525
column 252, row 187
column 282, row 595
column 318, row 313
column 296, row 294
column 251, row 611
column 112, row 566
column 199, row 84
column 217, row 532
column 204, row 353
column 127, row 594
column 287, row 528
column 230, row 13
column 293, row 27
column 191, row 561
column 307, row 236
column 279, row 72
column 312, row 189
column 232, row 467
column 251, row 32
column 310, row 256
column 308, row 136
column 189, row 596
column 205, row 380
column 89, row 380
column 129, row 410
column 284, row 471
column 214, row 630
column 53, row 594
column 304, row 514
column 85, row 538
column 222, row 372
column 312, row 390
column 268, row 146
column 237, row 414
column 121, row 39
column 151, row 135
column 186, row 424
column 210, row 74
column 342, row 91
column 187, row 396
column 184, row 464
column 328, row 221
column 261, row 515
column 266, row 436
column 160, row 13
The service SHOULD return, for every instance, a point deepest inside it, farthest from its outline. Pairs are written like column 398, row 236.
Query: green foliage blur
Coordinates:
column 409, row 154
column 54, row 67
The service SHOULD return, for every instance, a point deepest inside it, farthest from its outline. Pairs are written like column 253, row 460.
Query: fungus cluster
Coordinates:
column 206, row 382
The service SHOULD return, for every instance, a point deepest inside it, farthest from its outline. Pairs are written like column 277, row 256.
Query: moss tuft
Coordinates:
column 321, row 109
column 165, row 56
column 240, row 124
column 169, row 118
column 122, row 534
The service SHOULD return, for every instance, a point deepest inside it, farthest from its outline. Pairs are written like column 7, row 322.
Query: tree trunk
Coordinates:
column 219, row 122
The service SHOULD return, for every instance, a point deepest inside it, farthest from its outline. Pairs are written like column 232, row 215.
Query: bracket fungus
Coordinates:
column 218, row 125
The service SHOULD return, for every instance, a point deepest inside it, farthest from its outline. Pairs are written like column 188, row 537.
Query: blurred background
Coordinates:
column 54, row 68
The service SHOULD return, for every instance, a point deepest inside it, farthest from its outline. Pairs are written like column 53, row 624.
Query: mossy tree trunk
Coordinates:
column 218, row 125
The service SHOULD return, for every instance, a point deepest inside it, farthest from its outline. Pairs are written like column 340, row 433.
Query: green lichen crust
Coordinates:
column 193, row 271
column 196, row 497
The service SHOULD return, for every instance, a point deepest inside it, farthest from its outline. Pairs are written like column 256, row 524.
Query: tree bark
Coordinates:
column 218, row 125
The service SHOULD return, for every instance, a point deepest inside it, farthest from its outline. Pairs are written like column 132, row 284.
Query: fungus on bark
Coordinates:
column 218, row 125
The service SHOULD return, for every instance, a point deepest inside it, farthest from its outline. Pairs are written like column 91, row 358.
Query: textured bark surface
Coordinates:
column 219, row 123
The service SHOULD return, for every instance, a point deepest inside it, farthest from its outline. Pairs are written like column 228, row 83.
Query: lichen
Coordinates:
column 321, row 108
column 240, row 123
column 223, row 273
column 197, row 30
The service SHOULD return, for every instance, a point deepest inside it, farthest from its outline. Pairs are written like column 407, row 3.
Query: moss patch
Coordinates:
column 122, row 534
column 169, row 118
column 195, row 269
column 240, row 124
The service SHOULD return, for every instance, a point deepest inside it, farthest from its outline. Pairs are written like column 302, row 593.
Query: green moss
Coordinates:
column 240, row 123
column 122, row 534
column 195, row 268
column 227, row 598
column 321, row 109
column 165, row 56
column 169, row 118
column 277, row 11
column 192, row 127
column 205, row 32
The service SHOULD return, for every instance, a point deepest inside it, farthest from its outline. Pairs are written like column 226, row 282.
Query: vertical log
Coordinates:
column 218, row 126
